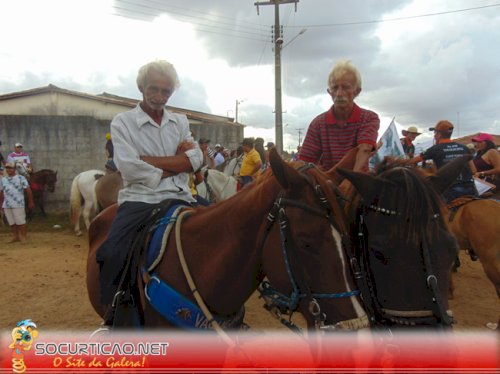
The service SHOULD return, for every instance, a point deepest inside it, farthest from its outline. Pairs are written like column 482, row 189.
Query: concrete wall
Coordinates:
column 54, row 103
column 73, row 144
column 67, row 144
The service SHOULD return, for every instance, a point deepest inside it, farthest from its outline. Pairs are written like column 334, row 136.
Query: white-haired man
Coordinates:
column 344, row 126
column 155, row 152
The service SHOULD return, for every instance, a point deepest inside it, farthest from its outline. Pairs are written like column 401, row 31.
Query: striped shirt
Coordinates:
column 327, row 141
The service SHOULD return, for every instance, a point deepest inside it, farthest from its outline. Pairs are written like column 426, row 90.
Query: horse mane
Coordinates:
column 409, row 194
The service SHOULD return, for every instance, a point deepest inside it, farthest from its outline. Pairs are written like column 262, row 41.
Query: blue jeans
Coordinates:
column 245, row 179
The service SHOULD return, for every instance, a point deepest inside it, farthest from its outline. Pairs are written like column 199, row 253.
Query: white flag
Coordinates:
column 391, row 146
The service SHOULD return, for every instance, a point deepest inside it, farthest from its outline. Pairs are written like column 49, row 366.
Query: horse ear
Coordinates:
column 448, row 173
column 286, row 175
column 347, row 162
column 366, row 184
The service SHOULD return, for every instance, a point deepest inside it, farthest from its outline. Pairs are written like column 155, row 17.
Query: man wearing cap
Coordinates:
column 219, row 155
column 487, row 160
column 12, row 187
column 18, row 156
column 407, row 142
column 444, row 151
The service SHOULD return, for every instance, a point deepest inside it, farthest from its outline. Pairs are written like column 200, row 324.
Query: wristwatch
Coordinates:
column 481, row 175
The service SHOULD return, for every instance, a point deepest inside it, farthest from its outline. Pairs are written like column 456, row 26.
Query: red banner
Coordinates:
column 166, row 351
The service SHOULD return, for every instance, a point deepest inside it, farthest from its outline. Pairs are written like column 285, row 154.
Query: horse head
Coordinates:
column 21, row 169
column 405, row 248
column 307, row 256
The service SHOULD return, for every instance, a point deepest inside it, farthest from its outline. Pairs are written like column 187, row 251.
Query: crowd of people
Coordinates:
column 159, row 159
column 15, row 191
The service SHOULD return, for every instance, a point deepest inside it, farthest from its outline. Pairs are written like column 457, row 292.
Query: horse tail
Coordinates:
column 75, row 201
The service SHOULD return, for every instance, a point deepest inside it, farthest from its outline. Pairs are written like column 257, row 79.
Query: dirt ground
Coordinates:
column 44, row 279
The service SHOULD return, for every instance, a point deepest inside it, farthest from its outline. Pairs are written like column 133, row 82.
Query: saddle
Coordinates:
column 457, row 203
column 127, row 309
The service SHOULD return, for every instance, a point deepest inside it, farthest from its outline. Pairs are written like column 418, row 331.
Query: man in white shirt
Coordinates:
column 155, row 152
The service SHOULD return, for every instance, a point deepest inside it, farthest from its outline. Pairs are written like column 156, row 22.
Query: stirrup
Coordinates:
column 104, row 329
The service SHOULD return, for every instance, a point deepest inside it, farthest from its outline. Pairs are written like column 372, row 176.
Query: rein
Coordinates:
column 280, row 304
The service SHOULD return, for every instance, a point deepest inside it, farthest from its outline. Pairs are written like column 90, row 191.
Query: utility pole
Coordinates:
column 278, row 42
column 300, row 132
column 238, row 102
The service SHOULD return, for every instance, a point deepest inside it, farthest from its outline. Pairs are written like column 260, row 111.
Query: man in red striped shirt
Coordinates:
column 345, row 126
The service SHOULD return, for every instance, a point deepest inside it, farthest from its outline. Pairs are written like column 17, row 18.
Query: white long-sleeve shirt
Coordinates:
column 135, row 134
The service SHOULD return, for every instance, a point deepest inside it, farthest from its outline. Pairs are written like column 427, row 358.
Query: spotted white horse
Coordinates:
column 83, row 193
column 217, row 186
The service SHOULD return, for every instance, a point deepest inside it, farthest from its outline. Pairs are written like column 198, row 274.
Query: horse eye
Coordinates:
column 380, row 256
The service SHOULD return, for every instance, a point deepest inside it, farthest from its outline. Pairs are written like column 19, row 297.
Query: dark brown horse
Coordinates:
column 41, row 181
column 404, row 245
column 309, row 257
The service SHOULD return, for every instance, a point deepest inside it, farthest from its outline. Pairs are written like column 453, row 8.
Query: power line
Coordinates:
column 397, row 18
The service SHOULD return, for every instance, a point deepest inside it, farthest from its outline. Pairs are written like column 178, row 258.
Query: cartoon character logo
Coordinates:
column 23, row 336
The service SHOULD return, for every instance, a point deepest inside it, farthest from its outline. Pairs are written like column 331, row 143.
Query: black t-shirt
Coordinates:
column 443, row 153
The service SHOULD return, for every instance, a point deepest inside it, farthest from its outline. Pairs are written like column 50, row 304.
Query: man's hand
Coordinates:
column 184, row 147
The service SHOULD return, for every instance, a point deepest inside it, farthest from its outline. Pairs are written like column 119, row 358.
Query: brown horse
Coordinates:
column 476, row 225
column 309, row 255
column 40, row 181
column 229, row 260
column 107, row 188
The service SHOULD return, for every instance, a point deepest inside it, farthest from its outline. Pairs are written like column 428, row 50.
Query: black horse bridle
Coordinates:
column 279, row 303
column 377, row 314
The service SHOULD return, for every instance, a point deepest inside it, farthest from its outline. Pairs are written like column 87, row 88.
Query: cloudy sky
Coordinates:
column 421, row 60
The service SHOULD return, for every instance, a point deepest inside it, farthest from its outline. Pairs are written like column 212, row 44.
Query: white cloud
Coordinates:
column 420, row 70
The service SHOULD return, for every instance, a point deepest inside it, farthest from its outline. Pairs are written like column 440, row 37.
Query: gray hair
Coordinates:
column 161, row 66
column 341, row 68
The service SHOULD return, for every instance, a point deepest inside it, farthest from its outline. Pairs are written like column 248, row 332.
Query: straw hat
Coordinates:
column 411, row 130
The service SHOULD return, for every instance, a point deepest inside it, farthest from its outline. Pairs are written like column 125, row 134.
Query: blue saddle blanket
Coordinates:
column 154, row 247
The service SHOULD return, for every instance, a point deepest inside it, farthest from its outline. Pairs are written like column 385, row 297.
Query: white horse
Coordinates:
column 217, row 186
column 83, row 191
column 233, row 166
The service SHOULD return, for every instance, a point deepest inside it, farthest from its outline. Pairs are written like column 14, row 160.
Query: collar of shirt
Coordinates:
column 354, row 117
column 441, row 141
column 144, row 118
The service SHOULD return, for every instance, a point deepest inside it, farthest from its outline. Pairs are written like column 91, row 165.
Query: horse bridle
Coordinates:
column 281, row 304
column 377, row 314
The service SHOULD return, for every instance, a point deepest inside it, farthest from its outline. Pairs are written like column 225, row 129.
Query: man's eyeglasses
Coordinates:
column 9, row 167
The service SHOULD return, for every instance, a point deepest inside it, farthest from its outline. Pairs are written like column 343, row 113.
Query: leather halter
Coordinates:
column 281, row 304
column 380, row 316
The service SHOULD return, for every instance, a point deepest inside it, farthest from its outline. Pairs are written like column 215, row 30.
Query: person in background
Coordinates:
column 251, row 163
column 18, row 156
column 344, row 126
column 269, row 146
column 486, row 163
column 155, row 152
column 208, row 154
column 219, row 155
column 259, row 147
column 444, row 151
column 409, row 136
column 12, row 188
column 110, row 164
